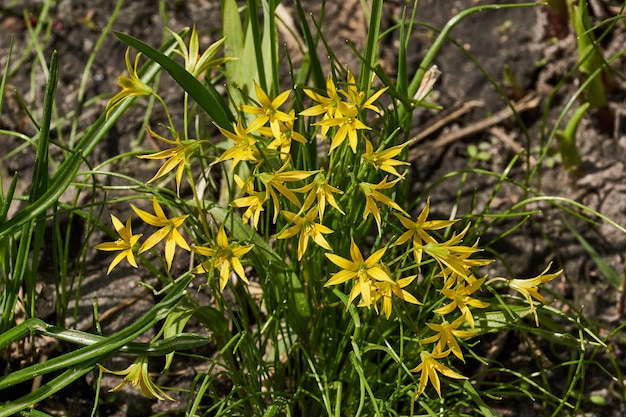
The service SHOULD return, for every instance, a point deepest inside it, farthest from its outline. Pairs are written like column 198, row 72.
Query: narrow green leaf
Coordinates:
column 103, row 348
column 254, row 40
column 270, row 48
column 316, row 67
column 47, row 389
column 274, row 409
column 40, row 173
column 566, row 139
column 40, row 180
column 605, row 269
column 174, row 325
column 7, row 199
column 239, row 70
column 482, row 406
column 371, row 46
column 495, row 320
column 20, row 331
column 5, row 74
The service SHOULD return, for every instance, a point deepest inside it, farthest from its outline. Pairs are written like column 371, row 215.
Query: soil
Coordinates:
column 532, row 42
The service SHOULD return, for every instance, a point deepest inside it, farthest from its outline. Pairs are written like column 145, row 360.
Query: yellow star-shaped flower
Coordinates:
column 126, row 243
column 383, row 159
column 372, row 195
column 446, row 336
column 195, row 63
column 307, row 228
column 385, row 290
column 177, row 156
column 168, row 231
column 131, row 86
column 365, row 270
column 137, row 374
column 529, row 288
column 224, row 257
column 268, row 111
column 429, row 367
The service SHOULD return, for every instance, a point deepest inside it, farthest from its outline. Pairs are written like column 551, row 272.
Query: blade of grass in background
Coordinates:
column 39, row 184
column 370, row 57
column 33, row 230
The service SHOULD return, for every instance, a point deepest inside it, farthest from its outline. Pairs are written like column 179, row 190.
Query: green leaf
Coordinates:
column 40, row 180
column 566, row 139
column 605, row 269
column 47, row 389
column 496, row 320
column 174, row 325
column 484, row 408
column 215, row 322
column 316, row 67
column 589, row 57
column 371, row 46
column 252, row 48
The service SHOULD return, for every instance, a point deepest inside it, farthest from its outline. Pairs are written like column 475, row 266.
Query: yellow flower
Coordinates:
column 177, row 157
column 385, row 290
column 429, row 368
column 307, row 228
column 460, row 261
column 282, row 143
column 225, row 257
column 348, row 125
column 125, row 243
column 357, row 98
column 447, row 334
column 327, row 105
column 363, row 269
column 416, row 230
column 372, row 195
column 131, row 86
column 254, row 201
column 274, row 182
column 319, row 191
column 384, row 159
column 454, row 257
column 197, row 64
column 168, row 230
column 330, row 106
column 244, row 148
column 268, row 111
column 137, row 375
column 460, row 296
column 529, row 288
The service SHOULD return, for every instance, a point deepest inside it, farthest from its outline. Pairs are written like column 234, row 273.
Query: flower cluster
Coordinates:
column 313, row 203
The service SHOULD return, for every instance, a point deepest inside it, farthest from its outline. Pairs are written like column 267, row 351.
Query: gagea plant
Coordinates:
column 278, row 218
column 312, row 206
